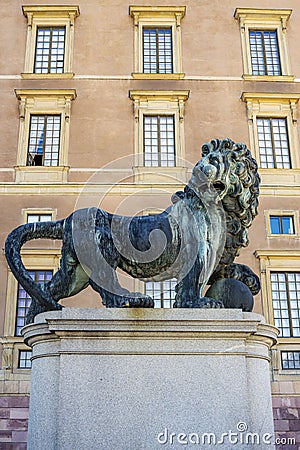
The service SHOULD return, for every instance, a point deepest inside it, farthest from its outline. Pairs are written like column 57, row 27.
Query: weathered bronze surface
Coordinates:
column 195, row 240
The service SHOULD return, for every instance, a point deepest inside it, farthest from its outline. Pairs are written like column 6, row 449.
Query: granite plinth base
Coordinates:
column 135, row 379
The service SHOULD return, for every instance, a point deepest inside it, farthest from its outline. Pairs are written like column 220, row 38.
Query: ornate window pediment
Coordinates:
column 43, row 134
column 157, row 41
column 264, row 46
column 50, row 40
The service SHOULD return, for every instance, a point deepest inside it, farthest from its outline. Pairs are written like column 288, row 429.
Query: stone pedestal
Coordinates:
column 135, row 379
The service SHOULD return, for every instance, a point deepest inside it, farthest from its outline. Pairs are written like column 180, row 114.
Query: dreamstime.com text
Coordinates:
column 241, row 436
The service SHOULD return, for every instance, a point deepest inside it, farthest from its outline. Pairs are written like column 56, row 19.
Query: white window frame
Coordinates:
column 264, row 20
column 276, row 212
column 159, row 103
column 38, row 211
column 278, row 261
column 273, row 105
column 38, row 101
column 49, row 16
column 158, row 17
column 33, row 259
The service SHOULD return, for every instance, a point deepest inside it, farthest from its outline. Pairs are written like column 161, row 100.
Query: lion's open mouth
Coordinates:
column 219, row 186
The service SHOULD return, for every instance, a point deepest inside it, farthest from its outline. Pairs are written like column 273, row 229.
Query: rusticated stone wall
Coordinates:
column 14, row 414
column 286, row 412
column 13, row 422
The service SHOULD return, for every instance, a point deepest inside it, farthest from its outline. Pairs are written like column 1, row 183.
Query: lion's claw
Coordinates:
column 207, row 302
column 139, row 300
column 201, row 302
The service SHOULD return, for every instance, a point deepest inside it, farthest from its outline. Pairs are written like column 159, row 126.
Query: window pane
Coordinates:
column 282, row 224
column 159, row 141
column 271, row 53
column 162, row 292
column 31, row 218
column 273, row 143
column 25, row 359
column 49, row 53
column 257, row 53
column 290, row 360
column 24, row 300
column 264, row 52
column 286, row 302
column 287, row 225
column 157, row 50
column 44, row 139
column 275, row 224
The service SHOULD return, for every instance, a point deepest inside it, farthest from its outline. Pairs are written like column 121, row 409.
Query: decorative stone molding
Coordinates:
column 40, row 101
column 264, row 19
column 34, row 259
column 160, row 16
column 275, row 105
column 164, row 103
column 218, row 357
column 49, row 16
column 278, row 261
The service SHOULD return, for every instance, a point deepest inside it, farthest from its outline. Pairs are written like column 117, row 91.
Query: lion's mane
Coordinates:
column 240, row 203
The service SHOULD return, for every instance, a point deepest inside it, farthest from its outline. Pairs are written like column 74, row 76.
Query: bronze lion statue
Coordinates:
column 195, row 240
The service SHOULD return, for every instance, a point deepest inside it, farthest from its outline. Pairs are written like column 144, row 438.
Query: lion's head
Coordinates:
column 231, row 169
column 226, row 173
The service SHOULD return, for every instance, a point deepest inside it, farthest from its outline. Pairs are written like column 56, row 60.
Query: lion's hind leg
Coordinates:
column 64, row 283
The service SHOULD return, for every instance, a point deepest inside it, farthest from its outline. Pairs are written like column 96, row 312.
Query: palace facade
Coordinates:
column 108, row 104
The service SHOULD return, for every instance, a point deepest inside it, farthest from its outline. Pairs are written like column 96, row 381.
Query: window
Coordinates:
column 50, row 40
column 273, row 143
column 290, row 360
column 44, row 137
column 18, row 302
column 159, row 141
column 159, row 135
column 43, row 134
column 163, row 293
column 264, row 53
column 50, row 49
column 272, row 121
column 24, row 300
column 24, row 359
column 157, row 55
column 157, row 41
column 286, row 302
column 282, row 224
column 31, row 215
column 280, row 290
column 32, row 218
column 264, row 46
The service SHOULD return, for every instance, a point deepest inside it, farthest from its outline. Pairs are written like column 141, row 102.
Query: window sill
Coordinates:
column 282, row 235
column 286, row 177
column 286, row 375
column 278, row 171
column 287, row 344
column 40, row 76
column 158, row 76
column 160, row 175
column 282, row 78
column 41, row 174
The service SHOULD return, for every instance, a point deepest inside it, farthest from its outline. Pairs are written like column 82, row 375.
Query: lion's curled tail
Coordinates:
column 14, row 242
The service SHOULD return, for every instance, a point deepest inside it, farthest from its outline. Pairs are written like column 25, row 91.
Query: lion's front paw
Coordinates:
column 207, row 302
column 139, row 300
column 200, row 302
